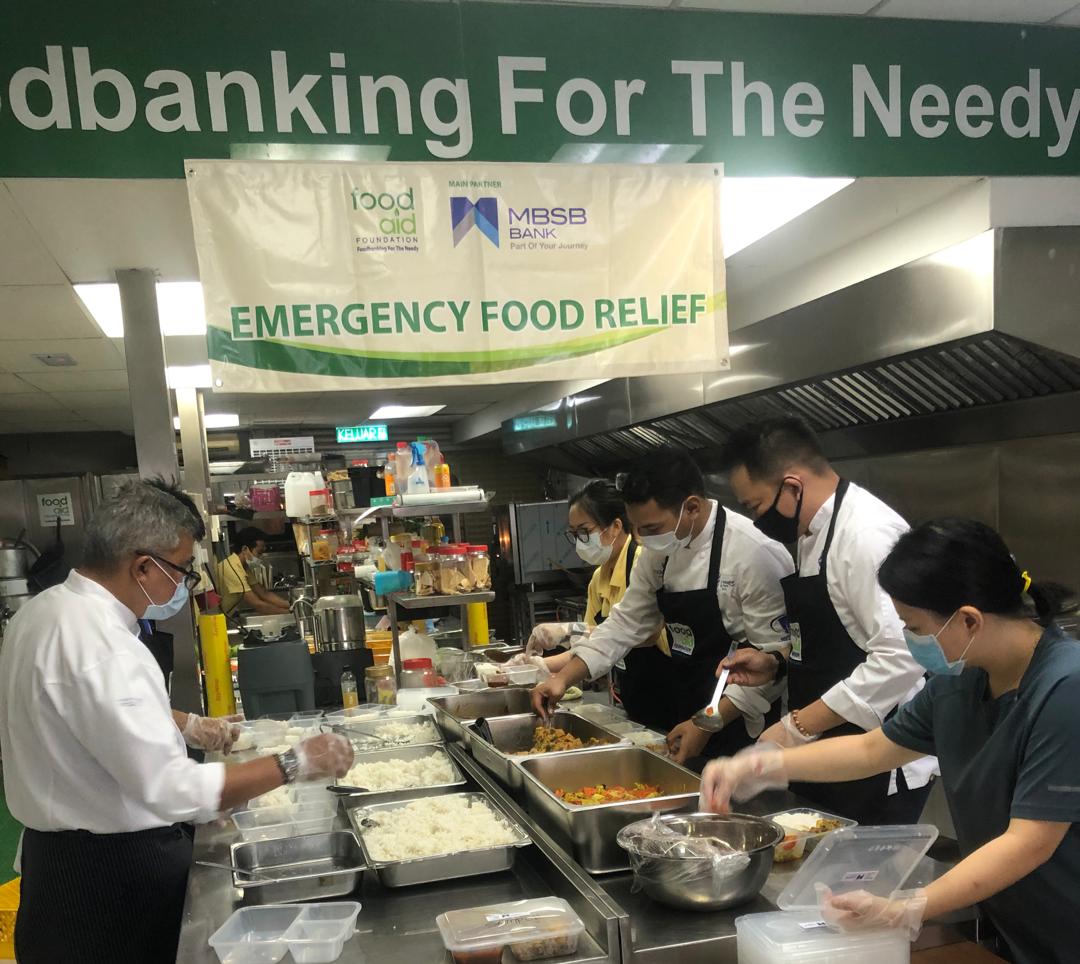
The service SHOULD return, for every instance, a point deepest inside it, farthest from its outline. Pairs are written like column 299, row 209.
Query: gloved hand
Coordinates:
column 547, row 636
column 211, row 733
column 328, row 756
column 860, row 911
column 751, row 771
column 786, row 733
column 686, row 741
column 524, row 659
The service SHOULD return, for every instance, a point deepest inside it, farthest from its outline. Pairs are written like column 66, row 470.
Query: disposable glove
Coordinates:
column 328, row 756
column 751, row 771
column 786, row 733
column 861, row 911
column 548, row 636
column 210, row 733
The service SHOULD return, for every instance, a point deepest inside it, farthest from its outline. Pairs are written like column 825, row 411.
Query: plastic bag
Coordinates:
column 664, row 850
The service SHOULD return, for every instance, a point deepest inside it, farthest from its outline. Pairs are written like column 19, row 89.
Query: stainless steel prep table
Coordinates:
column 399, row 925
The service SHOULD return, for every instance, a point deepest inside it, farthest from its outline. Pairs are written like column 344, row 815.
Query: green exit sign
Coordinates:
column 362, row 433
column 531, row 423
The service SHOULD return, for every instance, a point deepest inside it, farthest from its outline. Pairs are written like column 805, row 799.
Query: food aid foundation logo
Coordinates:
column 388, row 220
column 483, row 214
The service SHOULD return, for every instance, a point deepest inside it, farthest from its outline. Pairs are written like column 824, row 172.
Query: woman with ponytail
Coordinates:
column 1001, row 711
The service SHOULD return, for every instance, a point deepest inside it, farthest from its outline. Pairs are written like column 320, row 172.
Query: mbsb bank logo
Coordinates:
column 483, row 214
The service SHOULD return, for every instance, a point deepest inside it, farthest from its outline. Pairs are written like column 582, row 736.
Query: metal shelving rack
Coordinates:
column 384, row 513
column 409, row 602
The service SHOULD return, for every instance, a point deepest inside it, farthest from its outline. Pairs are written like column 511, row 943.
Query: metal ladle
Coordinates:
column 708, row 718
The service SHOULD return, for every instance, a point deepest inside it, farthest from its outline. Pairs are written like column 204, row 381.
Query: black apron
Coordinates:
column 699, row 641
column 645, row 672
column 823, row 654
column 102, row 898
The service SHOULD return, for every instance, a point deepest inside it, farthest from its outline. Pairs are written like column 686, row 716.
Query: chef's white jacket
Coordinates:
column 866, row 531
column 87, row 735
column 749, row 593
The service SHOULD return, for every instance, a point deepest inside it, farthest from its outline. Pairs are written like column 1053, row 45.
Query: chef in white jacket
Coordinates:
column 848, row 667
column 712, row 579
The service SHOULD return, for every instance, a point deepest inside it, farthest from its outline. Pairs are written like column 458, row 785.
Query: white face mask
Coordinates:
column 667, row 543
column 593, row 552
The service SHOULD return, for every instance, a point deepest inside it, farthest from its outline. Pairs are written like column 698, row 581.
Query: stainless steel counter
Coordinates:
column 399, row 925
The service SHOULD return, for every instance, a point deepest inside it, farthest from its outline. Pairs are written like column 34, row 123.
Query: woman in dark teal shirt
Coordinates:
column 1001, row 711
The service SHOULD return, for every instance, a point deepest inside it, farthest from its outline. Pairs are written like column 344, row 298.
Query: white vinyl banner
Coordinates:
column 322, row 276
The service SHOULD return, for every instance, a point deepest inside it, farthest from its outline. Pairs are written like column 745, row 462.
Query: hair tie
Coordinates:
column 1027, row 581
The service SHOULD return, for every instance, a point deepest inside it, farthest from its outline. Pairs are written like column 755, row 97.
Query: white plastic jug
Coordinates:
column 297, row 500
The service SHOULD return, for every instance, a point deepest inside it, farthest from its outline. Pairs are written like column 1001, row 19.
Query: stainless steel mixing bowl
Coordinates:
column 693, row 882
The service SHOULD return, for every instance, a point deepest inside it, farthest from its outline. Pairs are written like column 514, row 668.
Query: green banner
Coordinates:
column 131, row 89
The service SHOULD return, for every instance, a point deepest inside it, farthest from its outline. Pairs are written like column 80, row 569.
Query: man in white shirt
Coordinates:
column 95, row 765
column 712, row 579
column 849, row 666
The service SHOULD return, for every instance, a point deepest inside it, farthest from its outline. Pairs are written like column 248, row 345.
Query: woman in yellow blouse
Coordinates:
column 600, row 532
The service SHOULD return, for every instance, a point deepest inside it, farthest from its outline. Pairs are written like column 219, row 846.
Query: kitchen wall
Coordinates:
column 72, row 453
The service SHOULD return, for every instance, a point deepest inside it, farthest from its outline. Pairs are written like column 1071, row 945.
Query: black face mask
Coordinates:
column 773, row 523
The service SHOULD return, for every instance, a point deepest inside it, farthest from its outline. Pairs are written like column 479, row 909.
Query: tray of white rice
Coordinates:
column 419, row 841
column 401, row 773
column 416, row 730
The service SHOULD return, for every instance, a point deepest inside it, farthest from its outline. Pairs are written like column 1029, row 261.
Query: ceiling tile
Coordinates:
column 1069, row 19
column 90, row 354
column 1005, row 11
column 77, row 401
column 24, row 259
column 853, row 7
column 43, row 311
column 74, row 380
column 120, row 222
column 30, row 402
column 12, row 384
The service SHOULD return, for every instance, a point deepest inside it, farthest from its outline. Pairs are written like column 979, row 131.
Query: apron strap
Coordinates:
column 631, row 556
column 841, row 491
column 717, row 547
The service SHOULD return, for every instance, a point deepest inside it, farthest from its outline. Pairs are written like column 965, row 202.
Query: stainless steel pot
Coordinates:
column 16, row 558
column 340, row 622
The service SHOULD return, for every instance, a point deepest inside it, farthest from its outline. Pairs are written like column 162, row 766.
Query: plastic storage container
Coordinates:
column 454, row 574
column 479, row 567
column 417, row 673
column 796, row 842
column 320, row 503
column 263, row 935
column 801, row 937
column 534, row 930
column 878, row 860
column 270, row 823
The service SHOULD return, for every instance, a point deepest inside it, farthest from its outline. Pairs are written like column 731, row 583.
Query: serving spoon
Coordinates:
column 708, row 718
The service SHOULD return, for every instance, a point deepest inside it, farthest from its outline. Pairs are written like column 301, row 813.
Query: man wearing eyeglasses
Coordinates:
column 95, row 764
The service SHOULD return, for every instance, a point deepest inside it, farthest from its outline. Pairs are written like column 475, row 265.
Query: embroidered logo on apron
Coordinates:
column 682, row 639
column 796, row 642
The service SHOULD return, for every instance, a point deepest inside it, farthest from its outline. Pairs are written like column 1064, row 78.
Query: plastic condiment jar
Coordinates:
column 418, row 672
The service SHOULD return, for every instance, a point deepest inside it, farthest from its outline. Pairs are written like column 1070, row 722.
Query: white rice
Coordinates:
column 428, row 771
column 436, row 825
column 274, row 798
column 405, row 733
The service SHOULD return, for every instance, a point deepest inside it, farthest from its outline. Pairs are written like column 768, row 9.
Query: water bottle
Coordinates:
column 349, row 695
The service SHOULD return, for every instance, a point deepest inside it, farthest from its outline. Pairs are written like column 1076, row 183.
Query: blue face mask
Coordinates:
column 167, row 609
column 928, row 653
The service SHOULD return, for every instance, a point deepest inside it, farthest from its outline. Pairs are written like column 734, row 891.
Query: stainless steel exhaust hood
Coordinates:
column 993, row 320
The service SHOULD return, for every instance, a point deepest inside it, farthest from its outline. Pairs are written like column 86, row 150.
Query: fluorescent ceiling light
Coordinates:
column 406, row 411
column 586, row 153
column 188, row 376
column 371, row 153
column 214, row 420
column 103, row 303
column 180, row 307
column 752, row 207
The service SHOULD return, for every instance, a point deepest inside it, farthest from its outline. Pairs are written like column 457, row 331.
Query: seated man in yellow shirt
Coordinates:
column 237, row 591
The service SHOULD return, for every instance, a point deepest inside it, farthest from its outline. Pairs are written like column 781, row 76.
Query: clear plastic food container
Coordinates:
column 522, row 675
column 802, row 937
column 269, row 732
column 269, row 823
column 796, row 842
column 315, row 934
column 624, row 726
column 534, row 930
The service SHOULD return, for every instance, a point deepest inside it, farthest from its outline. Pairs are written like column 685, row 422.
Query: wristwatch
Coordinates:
column 289, row 766
column 781, row 665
